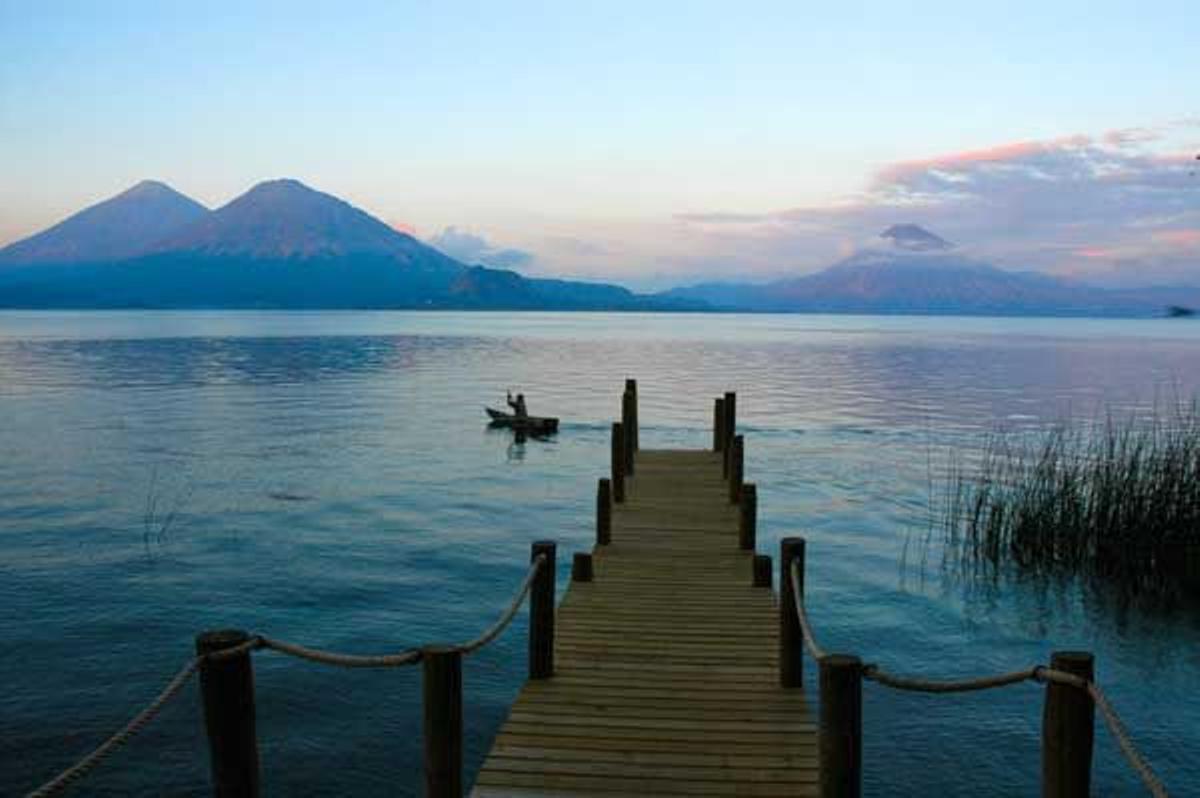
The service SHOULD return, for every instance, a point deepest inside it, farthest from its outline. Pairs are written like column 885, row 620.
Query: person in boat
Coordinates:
column 518, row 406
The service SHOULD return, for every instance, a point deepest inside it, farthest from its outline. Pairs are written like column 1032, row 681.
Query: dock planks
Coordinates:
column 666, row 679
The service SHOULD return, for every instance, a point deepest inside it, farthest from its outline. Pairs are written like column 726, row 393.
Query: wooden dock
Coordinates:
column 670, row 668
column 666, row 677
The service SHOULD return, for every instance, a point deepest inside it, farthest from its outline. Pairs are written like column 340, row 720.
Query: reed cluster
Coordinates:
column 1116, row 502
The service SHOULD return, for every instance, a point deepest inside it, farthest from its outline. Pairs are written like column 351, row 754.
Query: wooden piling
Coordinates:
column 635, row 438
column 731, row 418
column 541, row 613
column 791, row 642
column 762, row 570
column 737, row 459
column 719, row 425
column 1068, row 726
column 581, row 567
column 442, row 726
column 227, row 689
column 839, row 740
column 627, row 412
column 729, row 427
column 748, row 518
column 604, row 512
column 618, row 463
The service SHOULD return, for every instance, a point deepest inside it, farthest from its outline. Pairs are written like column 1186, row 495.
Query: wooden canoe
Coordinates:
column 535, row 425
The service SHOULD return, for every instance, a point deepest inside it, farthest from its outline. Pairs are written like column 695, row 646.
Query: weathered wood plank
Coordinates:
column 666, row 679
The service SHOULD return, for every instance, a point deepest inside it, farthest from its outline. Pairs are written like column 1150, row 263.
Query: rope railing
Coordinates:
column 497, row 628
column 810, row 640
column 918, row 685
column 1114, row 723
column 1132, row 755
column 410, row 656
column 130, row 730
column 1038, row 673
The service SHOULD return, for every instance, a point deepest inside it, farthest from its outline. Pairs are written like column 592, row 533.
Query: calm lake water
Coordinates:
column 333, row 484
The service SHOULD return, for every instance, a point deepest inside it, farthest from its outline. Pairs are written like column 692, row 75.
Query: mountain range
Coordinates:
column 919, row 272
column 285, row 245
column 279, row 245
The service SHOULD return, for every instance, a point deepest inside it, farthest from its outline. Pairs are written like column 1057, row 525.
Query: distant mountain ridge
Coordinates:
column 279, row 245
column 120, row 227
column 287, row 219
column 922, row 274
column 285, row 245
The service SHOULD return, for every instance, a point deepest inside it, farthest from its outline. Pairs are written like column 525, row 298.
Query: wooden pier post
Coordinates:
column 627, row 447
column 748, row 518
column 581, row 567
column 618, row 463
column 631, row 387
column 791, row 642
column 737, row 467
column 762, row 570
column 227, row 688
column 729, row 428
column 541, row 613
column 719, row 425
column 604, row 512
column 839, row 740
column 442, row 726
column 1068, row 726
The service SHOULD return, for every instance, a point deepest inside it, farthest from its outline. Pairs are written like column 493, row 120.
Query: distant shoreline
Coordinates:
column 996, row 314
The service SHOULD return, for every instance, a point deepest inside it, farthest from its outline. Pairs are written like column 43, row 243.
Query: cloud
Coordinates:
column 1132, row 135
column 471, row 248
column 914, row 238
column 1122, row 206
column 947, row 166
column 1188, row 237
column 1115, row 207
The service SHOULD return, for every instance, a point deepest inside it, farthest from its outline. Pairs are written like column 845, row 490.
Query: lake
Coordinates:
column 327, row 478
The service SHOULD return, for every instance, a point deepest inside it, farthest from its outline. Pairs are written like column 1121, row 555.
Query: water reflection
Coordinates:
column 340, row 492
column 199, row 361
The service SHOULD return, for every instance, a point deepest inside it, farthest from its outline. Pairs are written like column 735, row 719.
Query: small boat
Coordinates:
column 534, row 425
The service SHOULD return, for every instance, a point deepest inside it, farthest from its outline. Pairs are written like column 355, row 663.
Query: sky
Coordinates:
column 646, row 143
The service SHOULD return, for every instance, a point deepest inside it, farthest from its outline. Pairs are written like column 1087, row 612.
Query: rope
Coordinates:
column 1037, row 673
column 139, row 722
column 492, row 632
column 406, row 657
column 412, row 655
column 810, row 641
column 874, row 673
column 1115, row 726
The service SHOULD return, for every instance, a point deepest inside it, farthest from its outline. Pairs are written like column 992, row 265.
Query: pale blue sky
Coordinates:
column 578, row 132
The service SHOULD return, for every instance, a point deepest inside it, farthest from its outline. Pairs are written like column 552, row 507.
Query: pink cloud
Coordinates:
column 404, row 227
column 1179, row 238
column 1119, row 204
column 1097, row 252
column 1123, row 137
column 999, row 153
